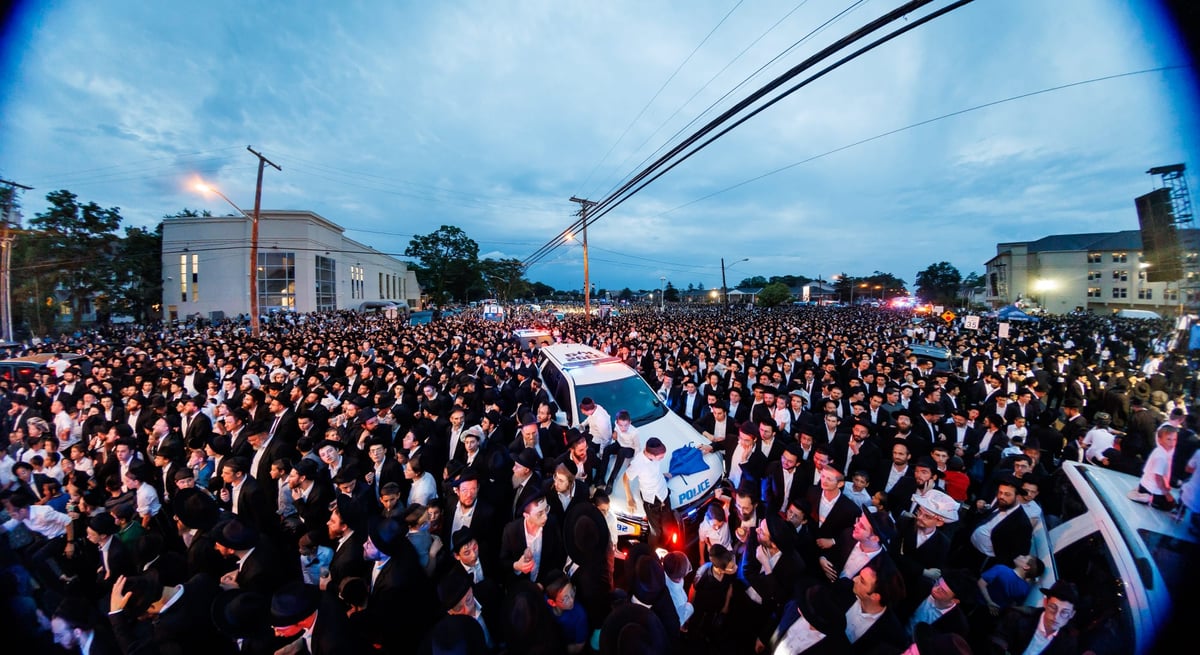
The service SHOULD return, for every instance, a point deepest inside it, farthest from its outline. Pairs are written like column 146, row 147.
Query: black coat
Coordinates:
column 512, row 546
column 184, row 628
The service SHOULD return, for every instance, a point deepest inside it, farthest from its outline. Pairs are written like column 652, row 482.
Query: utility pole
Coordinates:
column 254, row 240
column 6, row 240
column 587, row 287
column 724, row 289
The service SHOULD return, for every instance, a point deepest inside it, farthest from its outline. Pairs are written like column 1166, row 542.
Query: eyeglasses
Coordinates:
column 1064, row 612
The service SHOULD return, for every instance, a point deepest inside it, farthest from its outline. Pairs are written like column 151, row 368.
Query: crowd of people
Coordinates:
column 345, row 483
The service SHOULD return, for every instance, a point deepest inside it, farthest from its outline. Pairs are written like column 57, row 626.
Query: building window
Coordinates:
column 1093, row 292
column 276, row 280
column 1120, row 257
column 382, row 289
column 1171, row 295
column 326, row 283
column 195, row 278
column 357, row 282
column 1142, row 275
column 1145, row 294
column 183, row 278
column 1094, row 257
column 1120, row 292
column 1093, row 276
column 1120, row 275
column 1192, row 257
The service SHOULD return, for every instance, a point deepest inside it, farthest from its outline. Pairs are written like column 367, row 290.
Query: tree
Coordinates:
column 137, row 289
column 80, row 244
column 671, row 294
column 775, row 294
column 756, row 282
column 505, row 277
column 448, row 262
column 626, row 294
column 541, row 290
column 939, row 283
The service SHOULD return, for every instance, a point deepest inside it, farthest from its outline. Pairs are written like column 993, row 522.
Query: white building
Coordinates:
column 1102, row 272
column 305, row 263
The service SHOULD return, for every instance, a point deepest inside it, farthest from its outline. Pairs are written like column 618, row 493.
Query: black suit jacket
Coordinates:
column 512, row 546
column 886, row 635
column 772, row 487
column 313, row 511
column 913, row 560
column 1015, row 631
column 837, row 525
column 199, row 430
column 348, row 560
column 403, row 601
column 184, row 628
column 254, row 505
column 288, row 429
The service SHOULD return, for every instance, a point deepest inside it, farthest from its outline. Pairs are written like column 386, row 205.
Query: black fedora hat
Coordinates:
column 241, row 614
column 196, row 509
column 293, row 602
column 632, row 628
column 386, row 535
column 237, row 535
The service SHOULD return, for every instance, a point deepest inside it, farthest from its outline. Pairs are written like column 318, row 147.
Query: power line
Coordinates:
column 920, row 124
column 628, row 189
column 660, row 90
column 815, row 31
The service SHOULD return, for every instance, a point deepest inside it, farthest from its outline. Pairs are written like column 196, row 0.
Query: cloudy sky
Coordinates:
column 392, row 119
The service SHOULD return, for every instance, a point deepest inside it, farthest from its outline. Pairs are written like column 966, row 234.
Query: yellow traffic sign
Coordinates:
column 948, row 315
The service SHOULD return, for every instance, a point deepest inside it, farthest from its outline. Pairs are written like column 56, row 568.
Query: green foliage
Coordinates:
column 541, row 290
column 790, row 280
column 939, row 283
column 774, row 294
column 671, row 294
column 626, row 294
column 756, row 282
column 448, row 262
column 81, row 241
column 137, row 289
column 505, row 277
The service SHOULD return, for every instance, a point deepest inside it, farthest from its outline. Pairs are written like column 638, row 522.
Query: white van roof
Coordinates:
column 1138, row 313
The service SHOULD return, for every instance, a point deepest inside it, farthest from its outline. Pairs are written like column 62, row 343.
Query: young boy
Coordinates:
column 714, row 529
column 858, row 490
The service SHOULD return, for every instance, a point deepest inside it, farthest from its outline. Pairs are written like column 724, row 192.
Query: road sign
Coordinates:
column 948, row 315
column 971, row 322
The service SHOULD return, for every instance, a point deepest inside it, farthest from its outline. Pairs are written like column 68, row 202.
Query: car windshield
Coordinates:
column 630, row 393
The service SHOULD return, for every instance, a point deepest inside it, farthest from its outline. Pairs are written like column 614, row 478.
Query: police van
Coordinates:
column 1135, row 566
column 571, row 372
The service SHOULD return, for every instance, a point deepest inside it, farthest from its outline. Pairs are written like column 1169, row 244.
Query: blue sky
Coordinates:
column 392, row 119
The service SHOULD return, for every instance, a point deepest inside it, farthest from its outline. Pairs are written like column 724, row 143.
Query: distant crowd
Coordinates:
column 346, row 483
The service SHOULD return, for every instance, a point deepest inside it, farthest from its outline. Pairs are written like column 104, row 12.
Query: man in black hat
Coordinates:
column 313, row 622
column 403, row 602
column 113, row 556
column 526, row 482
column 150, row 616
column 311, row 496
column 243, row 617
column 771, row 566
column 457, row 593
column 950, row 600
column 258, row 567
column 819, row 621
column 1046, row 631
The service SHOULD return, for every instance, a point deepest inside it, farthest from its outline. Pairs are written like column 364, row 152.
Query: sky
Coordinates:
column 393, row 119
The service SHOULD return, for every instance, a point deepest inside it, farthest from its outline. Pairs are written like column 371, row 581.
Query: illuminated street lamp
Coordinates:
column 203, row 187
column 662, row 293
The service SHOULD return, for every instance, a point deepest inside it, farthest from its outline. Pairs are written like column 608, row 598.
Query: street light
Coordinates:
column 208, row 188
column 724, row 289
column 662, row 293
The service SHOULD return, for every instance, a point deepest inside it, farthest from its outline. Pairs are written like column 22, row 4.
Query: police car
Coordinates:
column 1135, row 567
column 571, row 372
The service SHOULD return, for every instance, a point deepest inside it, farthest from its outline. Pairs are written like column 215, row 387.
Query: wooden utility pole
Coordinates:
column 587, row 286
column 254, row 240
column 6, row 242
